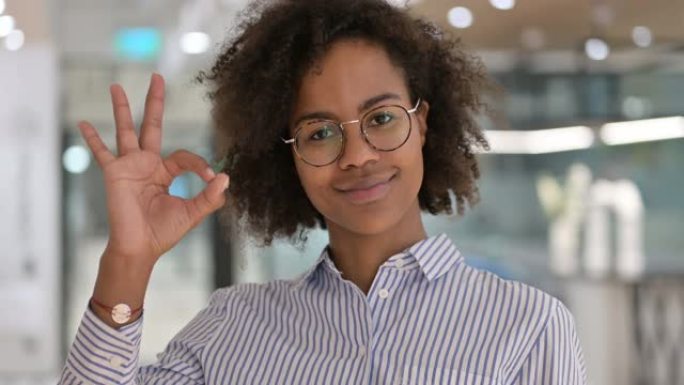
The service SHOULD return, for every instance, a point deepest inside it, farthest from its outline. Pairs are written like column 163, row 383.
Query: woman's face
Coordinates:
column 365, row 191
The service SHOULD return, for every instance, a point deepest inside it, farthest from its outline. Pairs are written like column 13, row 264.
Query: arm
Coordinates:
column 556, row 357
column 101, row 354
column 145, row 221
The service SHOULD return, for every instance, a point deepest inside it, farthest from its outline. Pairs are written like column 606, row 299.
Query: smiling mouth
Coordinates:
column 369, row 194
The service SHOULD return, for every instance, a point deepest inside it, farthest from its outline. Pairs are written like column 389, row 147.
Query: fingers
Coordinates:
column 100, row 151
column 212, row 197
column 126, row 139
column 150, row 132
column 209, row 200
column 181, row 161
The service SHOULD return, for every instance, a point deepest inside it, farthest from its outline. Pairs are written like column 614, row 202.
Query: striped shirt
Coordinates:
column 428, row 318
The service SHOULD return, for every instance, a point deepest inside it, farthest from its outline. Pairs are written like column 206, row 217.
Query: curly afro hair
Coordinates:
column 254, row 82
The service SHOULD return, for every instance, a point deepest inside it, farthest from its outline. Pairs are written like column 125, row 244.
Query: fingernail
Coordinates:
column 210, row 172
column 227, row 182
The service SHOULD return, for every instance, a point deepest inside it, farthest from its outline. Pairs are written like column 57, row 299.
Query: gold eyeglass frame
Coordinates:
column 293, row 142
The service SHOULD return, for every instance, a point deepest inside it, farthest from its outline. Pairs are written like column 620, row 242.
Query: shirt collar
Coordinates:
column 435, row 256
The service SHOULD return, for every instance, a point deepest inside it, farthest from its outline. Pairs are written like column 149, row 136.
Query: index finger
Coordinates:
column 100, row 151
column 181, row 161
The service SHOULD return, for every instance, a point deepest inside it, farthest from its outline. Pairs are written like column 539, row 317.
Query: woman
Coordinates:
column 352, row 116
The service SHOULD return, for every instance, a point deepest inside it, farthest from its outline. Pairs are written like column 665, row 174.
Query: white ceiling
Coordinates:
column 83, row 32
column 564, row 23
column 84, row 29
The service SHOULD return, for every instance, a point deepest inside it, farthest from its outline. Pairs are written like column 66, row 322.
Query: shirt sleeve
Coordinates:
column 556, row 357
column 103, row 355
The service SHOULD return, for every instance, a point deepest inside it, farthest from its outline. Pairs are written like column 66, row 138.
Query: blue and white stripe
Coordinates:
column 428, row 318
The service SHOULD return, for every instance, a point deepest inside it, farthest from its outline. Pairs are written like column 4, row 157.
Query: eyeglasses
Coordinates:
column 320, row 142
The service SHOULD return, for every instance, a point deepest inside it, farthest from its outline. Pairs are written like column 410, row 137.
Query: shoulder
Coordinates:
column 522, row 294
column 511, row 317
column 538, row 328
column 524, row 310
column 250, row 294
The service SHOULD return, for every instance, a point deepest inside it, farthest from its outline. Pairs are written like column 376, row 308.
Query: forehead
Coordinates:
column 350, row 72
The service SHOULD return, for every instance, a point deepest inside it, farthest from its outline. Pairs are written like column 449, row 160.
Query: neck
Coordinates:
column 359, row 256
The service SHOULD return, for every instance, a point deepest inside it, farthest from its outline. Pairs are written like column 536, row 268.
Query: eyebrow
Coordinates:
column 363, row 106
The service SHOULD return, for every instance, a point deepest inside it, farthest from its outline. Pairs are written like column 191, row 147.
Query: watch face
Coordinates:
column 121, row 313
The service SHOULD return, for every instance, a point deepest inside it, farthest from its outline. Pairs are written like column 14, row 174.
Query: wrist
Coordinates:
column 138, row 265
column 120, row 313
column 121, row 280
column 132, row 269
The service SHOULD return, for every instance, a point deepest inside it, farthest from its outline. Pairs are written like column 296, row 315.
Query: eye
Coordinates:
column 381, row 118
column 322, row 133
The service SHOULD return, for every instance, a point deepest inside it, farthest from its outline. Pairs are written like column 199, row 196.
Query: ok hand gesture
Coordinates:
column 145, row 221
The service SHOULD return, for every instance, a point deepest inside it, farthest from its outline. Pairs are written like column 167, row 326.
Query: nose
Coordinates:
column 357, row 151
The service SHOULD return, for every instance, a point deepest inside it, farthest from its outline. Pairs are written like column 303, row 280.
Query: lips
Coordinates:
column 365, row 182
column 367, row 189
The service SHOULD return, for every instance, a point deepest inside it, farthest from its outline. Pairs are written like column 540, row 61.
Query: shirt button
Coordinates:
column 400, row 263
column 383, row 293
column 362, row 351
column 116, row 361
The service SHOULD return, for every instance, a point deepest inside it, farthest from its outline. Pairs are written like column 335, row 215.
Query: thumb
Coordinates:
column 208, row 200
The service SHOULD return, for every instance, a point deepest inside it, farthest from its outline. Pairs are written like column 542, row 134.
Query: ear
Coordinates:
column 421, row 117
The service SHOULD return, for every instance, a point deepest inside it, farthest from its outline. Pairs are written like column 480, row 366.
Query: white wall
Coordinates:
column 30, row 247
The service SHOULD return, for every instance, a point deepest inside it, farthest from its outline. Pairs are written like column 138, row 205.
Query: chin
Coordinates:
column 368, row 222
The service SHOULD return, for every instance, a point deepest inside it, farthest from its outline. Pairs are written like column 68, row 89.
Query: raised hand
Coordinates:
column 144, row 220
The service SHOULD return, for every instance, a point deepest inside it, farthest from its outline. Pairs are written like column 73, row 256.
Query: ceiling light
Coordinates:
column 596, row 49
column 76, row 159
column 15, row 40
column 6, row 25
column 503, row 4
column 403, row 3
column 643, row 130
column 540, row 141
column 194, row 42
column 642, row 36
column 460, row 17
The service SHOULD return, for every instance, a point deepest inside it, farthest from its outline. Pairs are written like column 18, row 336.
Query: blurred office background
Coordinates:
column 580, row 195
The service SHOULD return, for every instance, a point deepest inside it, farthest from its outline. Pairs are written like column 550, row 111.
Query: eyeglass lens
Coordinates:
column 320, row 142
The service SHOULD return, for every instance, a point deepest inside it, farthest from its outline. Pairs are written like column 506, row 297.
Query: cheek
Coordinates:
column 313, row 179
column 411, row 163
column 412, row 156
